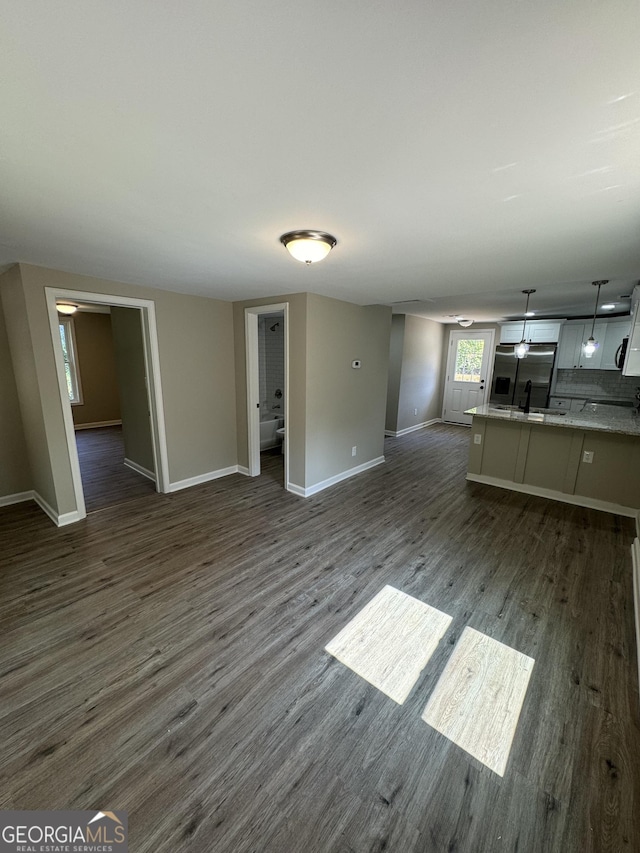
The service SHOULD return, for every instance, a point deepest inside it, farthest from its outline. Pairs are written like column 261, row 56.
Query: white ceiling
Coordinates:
column 459, row 151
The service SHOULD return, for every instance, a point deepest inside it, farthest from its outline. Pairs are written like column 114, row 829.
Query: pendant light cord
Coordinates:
column 526, row 311
column 595, row 308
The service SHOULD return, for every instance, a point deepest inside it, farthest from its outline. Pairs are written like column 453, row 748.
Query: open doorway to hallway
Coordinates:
column 103, row 352
column 142, row 412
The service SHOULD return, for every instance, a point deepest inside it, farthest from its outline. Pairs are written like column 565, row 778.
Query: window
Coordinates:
column 70, row 362
column 469, row 360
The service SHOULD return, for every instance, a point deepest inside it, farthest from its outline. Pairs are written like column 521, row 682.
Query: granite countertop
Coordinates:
column 604, row 419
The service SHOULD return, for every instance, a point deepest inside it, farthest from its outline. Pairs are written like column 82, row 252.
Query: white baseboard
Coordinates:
column 331, row 481
column 415, row 428
column 552, row 494
column 242, row 469
column 60, row 520
column 18, row 498
column 203, row 478
column 97, row 425
column 139, row 469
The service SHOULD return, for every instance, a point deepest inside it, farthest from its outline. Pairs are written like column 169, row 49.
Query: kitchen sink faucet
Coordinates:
column 527, row 404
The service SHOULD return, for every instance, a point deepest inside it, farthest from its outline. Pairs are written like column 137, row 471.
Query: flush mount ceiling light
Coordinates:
column 308, row 246
column 520, row 350
column 66, row 308
column 591, row 344
column 460, row 320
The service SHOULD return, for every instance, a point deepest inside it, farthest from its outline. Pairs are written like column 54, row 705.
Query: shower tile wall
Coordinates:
column 271, row 354
column 596, row 383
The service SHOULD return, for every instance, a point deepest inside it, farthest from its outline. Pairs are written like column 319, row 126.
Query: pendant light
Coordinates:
column 591, row 344
column 308, row 246
column 520, row 350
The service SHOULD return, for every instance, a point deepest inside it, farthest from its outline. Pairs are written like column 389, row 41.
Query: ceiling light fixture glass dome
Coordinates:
column 66, row 308
column 308, row 246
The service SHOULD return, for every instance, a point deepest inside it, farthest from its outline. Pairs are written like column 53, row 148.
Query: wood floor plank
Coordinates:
column 390, row 641
column 478, row 698
column 166, row 656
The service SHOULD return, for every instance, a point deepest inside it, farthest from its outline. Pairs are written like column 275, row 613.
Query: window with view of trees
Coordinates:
column 469, row 360
column 69, row 356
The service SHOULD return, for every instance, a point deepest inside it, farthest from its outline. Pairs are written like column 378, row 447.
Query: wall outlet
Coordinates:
column 415, row 411
column 354, row 450
column 587, row 456
column 477, row 438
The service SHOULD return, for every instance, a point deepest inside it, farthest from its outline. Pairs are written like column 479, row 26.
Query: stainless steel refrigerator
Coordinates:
column 510, row 375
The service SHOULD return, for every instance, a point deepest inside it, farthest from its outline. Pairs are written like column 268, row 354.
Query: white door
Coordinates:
column 468, row 380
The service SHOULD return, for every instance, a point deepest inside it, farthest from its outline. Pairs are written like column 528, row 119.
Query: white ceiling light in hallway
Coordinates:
column 66, row 308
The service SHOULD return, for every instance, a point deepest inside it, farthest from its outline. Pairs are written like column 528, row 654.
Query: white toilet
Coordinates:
column 281, row 433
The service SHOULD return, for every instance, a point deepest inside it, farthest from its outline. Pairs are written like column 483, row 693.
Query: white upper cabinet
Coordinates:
column 632, row 361
column 535, row 331
column 608, row 333
column 616, row 331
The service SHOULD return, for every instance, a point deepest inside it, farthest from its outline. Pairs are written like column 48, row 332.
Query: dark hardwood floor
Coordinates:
column 106, row 480
column 166, row 657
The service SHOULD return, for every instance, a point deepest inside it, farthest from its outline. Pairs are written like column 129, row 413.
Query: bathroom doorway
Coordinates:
column 266, row 329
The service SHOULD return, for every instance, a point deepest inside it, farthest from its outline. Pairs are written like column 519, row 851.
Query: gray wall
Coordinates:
column 345, row 407
column 29, row 385
column 396, row 345
column 15, row 472
column 415, row 372
column 128, row 344
column 331, row 406
column 96, row 364
column 195, row 341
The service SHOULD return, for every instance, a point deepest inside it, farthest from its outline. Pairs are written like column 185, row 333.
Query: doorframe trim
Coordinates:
column 154, row 384
column 489, row 380
column 253, row 386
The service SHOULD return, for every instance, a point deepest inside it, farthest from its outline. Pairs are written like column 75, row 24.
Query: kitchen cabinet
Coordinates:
column 617, row 329
column 535, row 331
column 632, row 361
column 573, row 335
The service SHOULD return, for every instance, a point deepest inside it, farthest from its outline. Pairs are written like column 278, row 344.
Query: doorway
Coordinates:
column 468, row 379
column 144, row 319
column 267, row 327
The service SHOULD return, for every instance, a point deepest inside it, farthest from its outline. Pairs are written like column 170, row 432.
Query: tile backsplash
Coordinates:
column 596, row 383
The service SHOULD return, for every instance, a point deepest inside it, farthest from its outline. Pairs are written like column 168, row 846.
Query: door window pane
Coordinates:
column 468, row 360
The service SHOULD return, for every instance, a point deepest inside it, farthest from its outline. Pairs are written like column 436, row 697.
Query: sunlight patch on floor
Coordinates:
column 390, row 641
column 478, row 698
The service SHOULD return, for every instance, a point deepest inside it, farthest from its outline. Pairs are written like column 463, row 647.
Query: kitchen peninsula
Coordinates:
column 589, row 458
